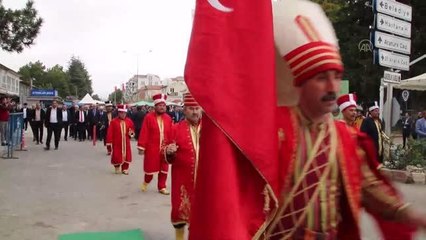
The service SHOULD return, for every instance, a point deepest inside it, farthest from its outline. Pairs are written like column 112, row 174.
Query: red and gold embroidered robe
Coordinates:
column 331, row 193
column 246, row 202
column 151, row 139
column 183, row 163
column 118, row 139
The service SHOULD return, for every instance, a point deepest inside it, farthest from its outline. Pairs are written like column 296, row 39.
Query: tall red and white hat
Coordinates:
column 189, row 101
column 347, row 100
column 122, row 108
column 159, row 98
column 305, row 39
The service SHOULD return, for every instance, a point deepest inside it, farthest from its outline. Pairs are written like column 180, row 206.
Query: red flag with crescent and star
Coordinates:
column 230, row 72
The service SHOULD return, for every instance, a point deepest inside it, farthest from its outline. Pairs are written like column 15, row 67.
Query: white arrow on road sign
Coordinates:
column 393, row 60
column 394, row 8
column 392, row 43
column 405, row 95
column 392, row 77
column 393, row 25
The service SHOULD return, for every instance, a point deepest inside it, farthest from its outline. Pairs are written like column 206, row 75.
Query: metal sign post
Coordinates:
column 405, row 94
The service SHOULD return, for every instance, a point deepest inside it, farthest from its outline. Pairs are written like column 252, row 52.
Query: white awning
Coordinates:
column 417, row 83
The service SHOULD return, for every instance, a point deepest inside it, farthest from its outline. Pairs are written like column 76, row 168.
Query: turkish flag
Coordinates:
column 230, row 72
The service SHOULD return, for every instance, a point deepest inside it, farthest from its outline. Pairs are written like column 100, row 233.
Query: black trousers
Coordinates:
column 405, row 134
column 99, row 133
column 105, row 132
column 73, row 130
column 56, row 129
column 89, row 129
column 37, row 127
column 81, row 131
column 25, row 124
column 137, row 131
column 65, row 126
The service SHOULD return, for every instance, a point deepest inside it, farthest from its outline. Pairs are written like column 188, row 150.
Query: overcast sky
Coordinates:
column 108, row 36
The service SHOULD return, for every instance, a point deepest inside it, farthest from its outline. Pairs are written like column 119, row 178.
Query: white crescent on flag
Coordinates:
column 219, row 6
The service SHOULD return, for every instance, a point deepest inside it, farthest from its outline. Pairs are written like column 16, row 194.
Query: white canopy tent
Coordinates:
column 87, row 99
column 417, row 83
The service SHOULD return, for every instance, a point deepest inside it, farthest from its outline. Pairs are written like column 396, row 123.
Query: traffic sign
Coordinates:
column 392, row 42
column 394, row 8
column 393, row 60
column 393, row 25
column 392, row 77
column 405, row 95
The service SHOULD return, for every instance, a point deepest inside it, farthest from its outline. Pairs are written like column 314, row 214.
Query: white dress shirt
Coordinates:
column 64, row 115
column 37, row 115
column 53, row 116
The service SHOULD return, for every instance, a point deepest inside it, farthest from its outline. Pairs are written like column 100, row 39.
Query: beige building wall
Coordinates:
column 9, row 81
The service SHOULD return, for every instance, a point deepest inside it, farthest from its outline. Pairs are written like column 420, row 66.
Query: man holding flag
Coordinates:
column 182, row 153
column 289, row 177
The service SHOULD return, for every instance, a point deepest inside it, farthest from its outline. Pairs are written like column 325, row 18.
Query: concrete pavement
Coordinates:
column 47, row 193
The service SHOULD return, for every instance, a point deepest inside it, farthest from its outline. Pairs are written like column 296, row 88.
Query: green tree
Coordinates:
column 18, row 28
column 353, row 21
column 116, row 96
column 33, row 71
column 79, row 78
column 96, row 97
column 58, row 80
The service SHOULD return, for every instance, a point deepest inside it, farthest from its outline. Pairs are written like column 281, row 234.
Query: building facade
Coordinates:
column 9, row 81
column 24, row 92
column 175, row 89
column 140, row 82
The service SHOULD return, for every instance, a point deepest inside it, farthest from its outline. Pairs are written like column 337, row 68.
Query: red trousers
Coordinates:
column 162, row 178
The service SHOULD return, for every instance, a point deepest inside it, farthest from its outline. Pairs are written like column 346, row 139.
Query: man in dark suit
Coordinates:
column 81, row 119
column 407, row 121
column 72, row 121
column 66, row 120
column 53, row 123
column 373, row 127
column 36, row 118
column 178, row 115
column 137, row 118
column 99, row 118
column 107, row 116
column 25, row 112
column 91, row 118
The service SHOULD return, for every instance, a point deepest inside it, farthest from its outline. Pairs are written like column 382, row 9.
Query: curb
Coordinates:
column 404, row 176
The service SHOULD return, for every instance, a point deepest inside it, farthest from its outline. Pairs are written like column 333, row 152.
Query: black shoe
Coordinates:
column 56, row 148
column 3, row 144
column 66, row 139
column 47, row 148
column 41, row 142
column 37, row 143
